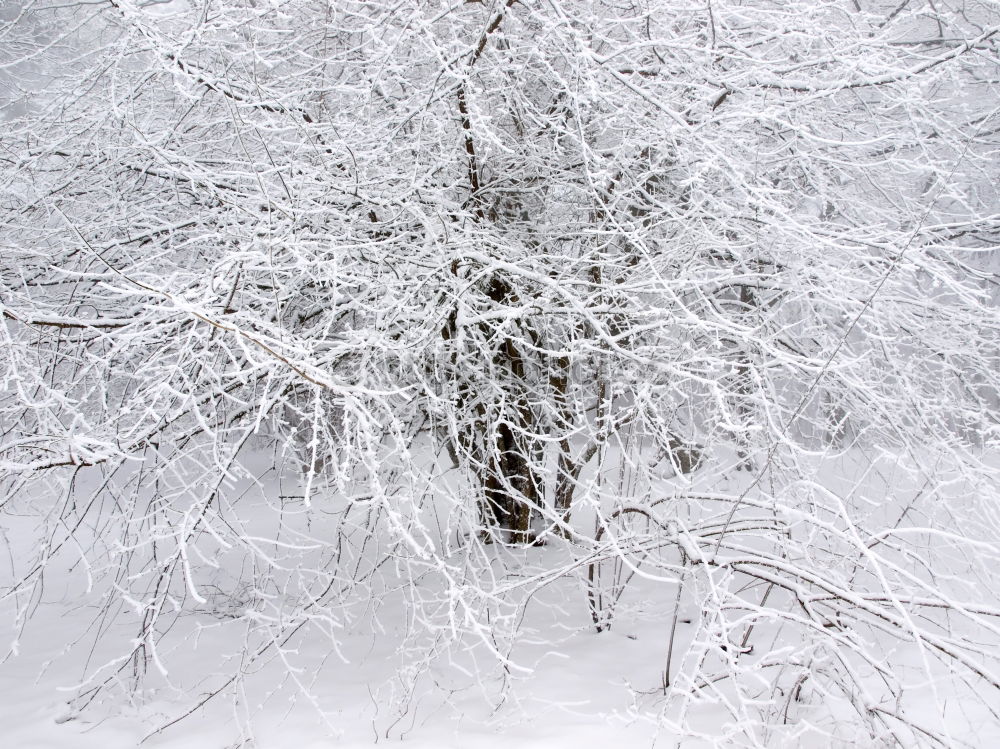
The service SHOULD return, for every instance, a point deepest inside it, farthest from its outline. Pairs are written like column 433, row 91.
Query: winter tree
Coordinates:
column 319, row 312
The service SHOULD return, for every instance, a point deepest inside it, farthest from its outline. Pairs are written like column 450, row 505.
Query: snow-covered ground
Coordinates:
column 383, row 678
column 576, row 697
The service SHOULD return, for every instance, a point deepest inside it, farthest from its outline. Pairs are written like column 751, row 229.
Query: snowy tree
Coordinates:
column 697, row 295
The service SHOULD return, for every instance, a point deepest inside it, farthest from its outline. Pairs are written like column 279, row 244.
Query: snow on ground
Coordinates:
column 578, row 688
column 575, row 698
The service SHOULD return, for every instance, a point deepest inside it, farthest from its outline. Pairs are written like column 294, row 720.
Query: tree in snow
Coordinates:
column 703, row 293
